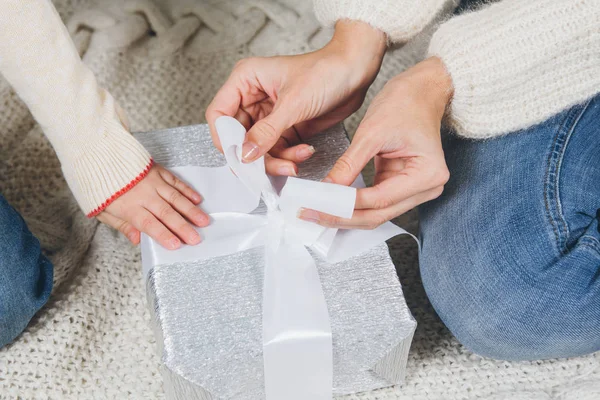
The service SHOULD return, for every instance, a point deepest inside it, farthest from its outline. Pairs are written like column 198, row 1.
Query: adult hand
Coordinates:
column 158, row 206
column 284, row 100
column 401, row 130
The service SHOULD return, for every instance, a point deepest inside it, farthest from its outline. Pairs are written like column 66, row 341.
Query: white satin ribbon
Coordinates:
column 297, row 337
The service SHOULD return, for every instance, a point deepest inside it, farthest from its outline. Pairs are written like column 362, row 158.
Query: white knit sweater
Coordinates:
column 513, row 64
column 99, row 157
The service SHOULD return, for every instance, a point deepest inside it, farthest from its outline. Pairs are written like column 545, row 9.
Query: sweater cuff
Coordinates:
column 399, row 19
column 107, row 169
column 516, row 63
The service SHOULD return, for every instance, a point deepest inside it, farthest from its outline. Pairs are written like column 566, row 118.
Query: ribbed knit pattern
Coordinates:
column 105, row 167
column 399, row 19
column 516, row 63
column 513, row 63
column 37, row 57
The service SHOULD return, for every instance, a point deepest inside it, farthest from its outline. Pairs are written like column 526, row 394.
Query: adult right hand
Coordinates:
column 284, row 100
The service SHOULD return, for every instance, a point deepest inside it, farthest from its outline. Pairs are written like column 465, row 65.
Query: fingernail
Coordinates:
column 196, row 198
column 132, row 237
column 286, row 171
column 327, row 180
column 249, row 151
column 174, row 243
column 200, row 220
column 195, row 238
column 305, row 152
column 308, row 215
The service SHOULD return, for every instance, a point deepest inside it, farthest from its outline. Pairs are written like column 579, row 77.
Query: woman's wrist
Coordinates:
column 433, row 82
column 361, row 46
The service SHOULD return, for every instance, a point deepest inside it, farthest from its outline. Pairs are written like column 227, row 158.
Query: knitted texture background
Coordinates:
column 163, row 61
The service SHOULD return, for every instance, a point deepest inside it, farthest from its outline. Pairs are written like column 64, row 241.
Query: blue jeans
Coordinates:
column 25, row 274
column 510, row 255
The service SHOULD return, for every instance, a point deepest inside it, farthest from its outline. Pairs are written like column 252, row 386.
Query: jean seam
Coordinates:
column 552, row 178
column 590, row 242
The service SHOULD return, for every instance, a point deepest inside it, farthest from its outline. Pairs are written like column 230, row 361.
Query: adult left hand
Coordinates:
column 401, row 130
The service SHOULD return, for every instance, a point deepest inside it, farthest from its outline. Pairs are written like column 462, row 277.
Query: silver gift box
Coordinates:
column 207, row 314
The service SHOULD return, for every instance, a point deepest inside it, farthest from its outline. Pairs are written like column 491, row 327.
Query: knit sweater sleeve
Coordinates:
column 99, row 157
column 399, row 19
column 516, row 63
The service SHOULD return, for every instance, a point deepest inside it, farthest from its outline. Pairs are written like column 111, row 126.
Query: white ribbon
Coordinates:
column 297, row 337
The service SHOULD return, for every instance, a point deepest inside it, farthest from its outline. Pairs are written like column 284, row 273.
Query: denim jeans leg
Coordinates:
column 511, row 250
column 25, row 274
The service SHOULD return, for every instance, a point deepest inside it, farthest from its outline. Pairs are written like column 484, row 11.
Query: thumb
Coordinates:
column 264, row 134
column 350, row 164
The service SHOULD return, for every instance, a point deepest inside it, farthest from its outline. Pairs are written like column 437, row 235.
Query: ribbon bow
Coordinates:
column 297, row 337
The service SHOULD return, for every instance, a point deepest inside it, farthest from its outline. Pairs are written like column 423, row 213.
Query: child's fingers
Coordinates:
column 150, row 207
column 173, row 220
column 180, row 185
column 122, row 226
column 146, row 222
column 183, row 205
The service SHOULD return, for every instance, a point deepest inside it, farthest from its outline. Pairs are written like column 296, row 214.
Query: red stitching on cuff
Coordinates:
column 121, row 192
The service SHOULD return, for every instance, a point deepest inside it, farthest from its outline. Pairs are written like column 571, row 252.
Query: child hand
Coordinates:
column 158, row 206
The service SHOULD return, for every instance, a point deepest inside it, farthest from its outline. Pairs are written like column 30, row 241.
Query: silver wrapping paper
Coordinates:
column 207, row 314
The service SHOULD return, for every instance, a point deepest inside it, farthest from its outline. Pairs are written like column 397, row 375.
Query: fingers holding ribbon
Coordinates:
column 401, row 184
column 283, row 100
column 401, row 130
column 371, row 218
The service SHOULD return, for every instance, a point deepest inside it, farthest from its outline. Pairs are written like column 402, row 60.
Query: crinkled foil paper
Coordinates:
column 207, row 314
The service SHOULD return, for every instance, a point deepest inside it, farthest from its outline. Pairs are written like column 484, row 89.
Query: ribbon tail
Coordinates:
column 297, row 340
column 350, row 243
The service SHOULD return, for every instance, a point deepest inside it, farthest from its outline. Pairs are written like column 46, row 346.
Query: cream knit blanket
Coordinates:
column 163, row 64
